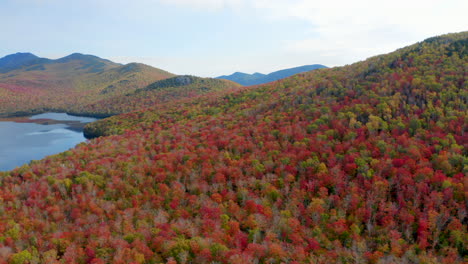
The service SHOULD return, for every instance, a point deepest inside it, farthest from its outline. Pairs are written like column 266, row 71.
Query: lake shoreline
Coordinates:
column 20, row 114
column 34, row 137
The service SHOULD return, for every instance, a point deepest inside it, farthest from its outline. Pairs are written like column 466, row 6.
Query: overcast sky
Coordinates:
column 215, row 37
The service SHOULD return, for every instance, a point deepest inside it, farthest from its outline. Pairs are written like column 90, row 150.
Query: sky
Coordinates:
column 209, row 38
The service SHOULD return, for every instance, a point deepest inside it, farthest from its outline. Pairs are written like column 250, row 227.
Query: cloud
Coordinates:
column 341, row 32
column 345, row 31
column 424, row 15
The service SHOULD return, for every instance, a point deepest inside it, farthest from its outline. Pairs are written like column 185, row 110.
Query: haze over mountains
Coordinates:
column 260, row 78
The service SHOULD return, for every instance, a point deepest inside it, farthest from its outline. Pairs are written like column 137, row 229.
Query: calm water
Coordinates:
column 23, row 140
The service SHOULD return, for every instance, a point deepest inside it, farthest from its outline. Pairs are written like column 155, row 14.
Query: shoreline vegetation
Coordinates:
column 21, row 115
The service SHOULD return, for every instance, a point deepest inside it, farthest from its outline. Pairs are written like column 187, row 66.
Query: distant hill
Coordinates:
column 30, row 84
column 260, row 78
column 159, row 92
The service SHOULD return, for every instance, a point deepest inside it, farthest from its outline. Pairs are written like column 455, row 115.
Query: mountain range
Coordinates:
column 30, row 62
column 29, row 84
column 260, row 78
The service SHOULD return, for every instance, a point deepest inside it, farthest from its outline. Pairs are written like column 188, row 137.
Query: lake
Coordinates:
column 32, row 138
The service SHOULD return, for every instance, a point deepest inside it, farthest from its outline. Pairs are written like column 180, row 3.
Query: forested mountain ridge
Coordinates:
column 157, row 93
column 260, row 78
column 359, row 164
column 29, row 84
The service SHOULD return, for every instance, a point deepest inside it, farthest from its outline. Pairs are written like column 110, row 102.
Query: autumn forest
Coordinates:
column 365, row 163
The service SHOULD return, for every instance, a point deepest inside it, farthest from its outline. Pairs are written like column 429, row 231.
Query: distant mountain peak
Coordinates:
column 22, row 55
column 90, row 63
column 16, row 61
column 83, row 57
column 238, row 74
column 260, row 78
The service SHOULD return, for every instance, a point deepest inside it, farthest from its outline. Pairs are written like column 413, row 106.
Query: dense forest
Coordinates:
column 365, row 163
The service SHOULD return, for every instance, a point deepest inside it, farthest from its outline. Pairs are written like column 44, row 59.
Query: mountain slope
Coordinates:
column 359, row 164
column 34, row 85
column 259, row 78
column 159, row 92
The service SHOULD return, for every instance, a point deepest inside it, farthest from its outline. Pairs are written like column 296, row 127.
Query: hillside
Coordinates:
column 159, row 92
column 359, row 164
column 29, row 84
column 260, row 78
